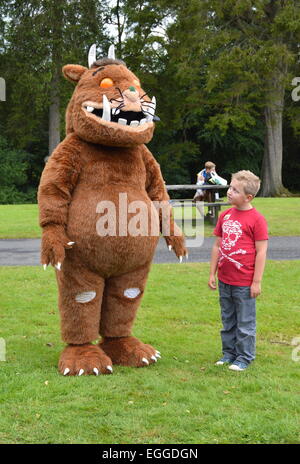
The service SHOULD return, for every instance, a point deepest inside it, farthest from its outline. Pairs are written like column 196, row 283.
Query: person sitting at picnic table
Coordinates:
column 204, row 177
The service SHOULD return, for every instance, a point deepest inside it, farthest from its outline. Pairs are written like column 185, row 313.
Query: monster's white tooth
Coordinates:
column 152, row 107
column 143, row 121
column 106, row 109
column 117, row 111
column 122, row 121
column 134, row 123
column 154, row 102
column 152, row 111
column 90, row 109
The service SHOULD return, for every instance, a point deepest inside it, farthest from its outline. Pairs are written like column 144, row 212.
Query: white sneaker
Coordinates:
column 238, row 366
column 224, row 360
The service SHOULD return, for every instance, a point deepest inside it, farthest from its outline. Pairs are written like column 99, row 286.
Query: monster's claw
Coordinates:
column 96, row 371
column 109, row 368
column 66, row 371
column 81, row 372
column 58, row 266
column 145, row 361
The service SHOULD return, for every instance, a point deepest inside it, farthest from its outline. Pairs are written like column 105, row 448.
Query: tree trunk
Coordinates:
column 54, row 113
column 272, row 160
column 56, row 14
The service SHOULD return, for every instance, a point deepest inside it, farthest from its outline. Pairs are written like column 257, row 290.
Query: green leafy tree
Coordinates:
column 14, row 175
column 40, row 37
column 238, row 58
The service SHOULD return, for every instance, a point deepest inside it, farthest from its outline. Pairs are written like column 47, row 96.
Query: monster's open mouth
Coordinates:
column 116, row 115
column 126, row 118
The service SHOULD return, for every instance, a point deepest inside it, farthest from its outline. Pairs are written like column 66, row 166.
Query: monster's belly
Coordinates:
column 115, row 229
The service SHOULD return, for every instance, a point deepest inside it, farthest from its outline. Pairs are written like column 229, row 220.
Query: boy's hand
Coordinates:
column 255, row 289
column 212, row 282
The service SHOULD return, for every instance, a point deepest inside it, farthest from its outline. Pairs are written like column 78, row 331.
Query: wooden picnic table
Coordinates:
column 214, row 207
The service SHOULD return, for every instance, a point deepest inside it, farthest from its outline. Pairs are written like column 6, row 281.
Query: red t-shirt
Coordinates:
column 239, row 229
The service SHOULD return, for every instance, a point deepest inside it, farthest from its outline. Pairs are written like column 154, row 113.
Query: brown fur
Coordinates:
column 97, row 161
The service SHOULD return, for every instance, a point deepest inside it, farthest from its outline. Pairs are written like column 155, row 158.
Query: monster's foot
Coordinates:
column 129, row 351
column 84, row 359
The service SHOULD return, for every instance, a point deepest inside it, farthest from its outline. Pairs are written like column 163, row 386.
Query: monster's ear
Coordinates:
column 73, row 72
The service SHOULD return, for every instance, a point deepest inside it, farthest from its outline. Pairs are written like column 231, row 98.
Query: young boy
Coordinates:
column 239, row 253
column 203, row 178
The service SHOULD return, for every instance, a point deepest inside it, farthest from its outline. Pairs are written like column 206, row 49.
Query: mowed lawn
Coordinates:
column 282, row 214
column 183, row 398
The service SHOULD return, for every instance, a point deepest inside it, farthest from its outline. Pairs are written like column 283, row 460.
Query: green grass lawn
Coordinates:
column 183, row 398
column 282, row 214
column 19, row 221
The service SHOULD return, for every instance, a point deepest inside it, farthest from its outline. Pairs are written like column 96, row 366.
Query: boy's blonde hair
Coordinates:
column 251, row 183
column 209, row 165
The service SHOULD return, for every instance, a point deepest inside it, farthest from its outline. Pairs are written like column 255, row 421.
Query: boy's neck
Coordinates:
column 244, row 207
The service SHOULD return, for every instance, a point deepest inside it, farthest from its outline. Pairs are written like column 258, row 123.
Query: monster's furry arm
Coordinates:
column 157, row 192
column 54, row 195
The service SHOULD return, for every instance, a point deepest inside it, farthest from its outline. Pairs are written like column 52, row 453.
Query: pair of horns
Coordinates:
column 92, row 54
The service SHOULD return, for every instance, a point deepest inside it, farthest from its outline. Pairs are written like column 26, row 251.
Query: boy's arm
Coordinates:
column 260, row 261
column 214, row 263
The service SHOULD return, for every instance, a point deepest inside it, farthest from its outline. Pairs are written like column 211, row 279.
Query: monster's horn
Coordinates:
column 111, row 52
column 92, row 55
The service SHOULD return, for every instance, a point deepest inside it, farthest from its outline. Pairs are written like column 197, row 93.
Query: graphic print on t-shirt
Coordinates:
column 232, row 231
column 239, row 230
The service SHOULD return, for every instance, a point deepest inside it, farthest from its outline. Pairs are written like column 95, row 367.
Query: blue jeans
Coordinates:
column 238, row 312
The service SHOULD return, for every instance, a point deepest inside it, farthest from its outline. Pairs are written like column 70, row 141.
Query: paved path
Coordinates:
column 25, row 252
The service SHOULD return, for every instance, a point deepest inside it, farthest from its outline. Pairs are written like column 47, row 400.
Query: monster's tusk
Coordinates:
column 106, row 109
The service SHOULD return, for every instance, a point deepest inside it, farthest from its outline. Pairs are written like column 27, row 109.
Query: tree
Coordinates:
column 221, row 72
column 40, row 37
column 242, row 53
column 14, row 175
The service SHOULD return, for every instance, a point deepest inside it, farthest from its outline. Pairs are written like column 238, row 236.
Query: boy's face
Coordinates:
column 236, row 195
column 210, row 169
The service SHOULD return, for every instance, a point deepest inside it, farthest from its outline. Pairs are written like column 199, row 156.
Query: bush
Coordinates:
column 14, row 179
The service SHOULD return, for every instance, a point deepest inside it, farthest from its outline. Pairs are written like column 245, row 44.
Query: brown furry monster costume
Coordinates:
column 102, row 161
